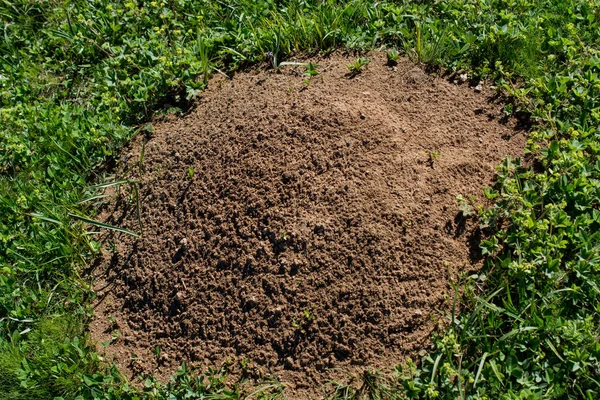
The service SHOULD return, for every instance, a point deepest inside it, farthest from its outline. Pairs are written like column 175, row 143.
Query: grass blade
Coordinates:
column 109, row 184
column 103, row 225
column 100, row 196
column 481, row 363
column 44, row 218
column 435, row 367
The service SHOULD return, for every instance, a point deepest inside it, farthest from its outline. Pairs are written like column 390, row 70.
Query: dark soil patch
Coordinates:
column 295, row 228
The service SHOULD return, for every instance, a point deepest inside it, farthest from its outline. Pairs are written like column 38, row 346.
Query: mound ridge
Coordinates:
column 299, row 228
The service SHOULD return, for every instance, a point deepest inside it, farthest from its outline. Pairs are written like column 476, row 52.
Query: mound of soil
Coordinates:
column 298, row 228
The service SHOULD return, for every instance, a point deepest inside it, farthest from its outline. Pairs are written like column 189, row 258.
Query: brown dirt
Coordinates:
column 316, row 233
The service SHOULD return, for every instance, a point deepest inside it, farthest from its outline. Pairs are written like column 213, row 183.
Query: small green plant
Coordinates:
column 465, row 206
column 190, row 173
column 311, row 69
column 157, row 352
column 115, row 334
column 392, row 57
column 309, row 316
column 432, row 156
column 357, row 66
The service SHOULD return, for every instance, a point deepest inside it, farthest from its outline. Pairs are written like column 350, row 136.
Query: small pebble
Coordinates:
column 478, row 88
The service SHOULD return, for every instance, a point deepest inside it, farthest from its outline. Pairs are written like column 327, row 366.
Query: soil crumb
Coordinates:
column 298, row 227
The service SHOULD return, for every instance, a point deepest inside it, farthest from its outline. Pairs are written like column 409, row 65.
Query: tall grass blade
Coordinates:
column 44, row 218
column 103, row 225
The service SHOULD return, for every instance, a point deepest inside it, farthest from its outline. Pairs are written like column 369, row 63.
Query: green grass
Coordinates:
column 78, row 77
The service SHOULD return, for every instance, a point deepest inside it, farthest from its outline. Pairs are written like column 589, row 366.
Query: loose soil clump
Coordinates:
column 298, row 228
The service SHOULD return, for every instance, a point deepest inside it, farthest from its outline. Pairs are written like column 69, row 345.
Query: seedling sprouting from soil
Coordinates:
column 357, row 66
column 433, row 155
column 392, row 57
column 466, row 205
column 190, row 173
column 156, row 351
column 308, row 318
column 311, row 69
column 115, row 333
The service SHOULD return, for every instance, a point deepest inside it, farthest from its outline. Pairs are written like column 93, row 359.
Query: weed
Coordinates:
column 465, row 206
column 357, row 66
column 157, row 351
column 432, row 156
column 311, row 69
column 309, row 316
column 392, row 57
column 307, row 319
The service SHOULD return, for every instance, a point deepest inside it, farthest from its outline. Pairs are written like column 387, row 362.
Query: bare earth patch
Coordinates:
column 299, row 229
